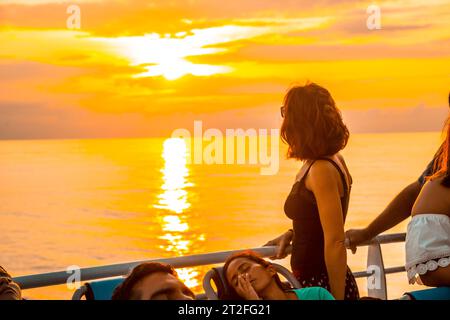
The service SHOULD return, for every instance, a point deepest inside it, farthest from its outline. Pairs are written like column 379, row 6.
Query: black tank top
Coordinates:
column 307, row 256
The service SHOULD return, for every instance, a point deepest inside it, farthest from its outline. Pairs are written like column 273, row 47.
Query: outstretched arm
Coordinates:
column 398, row 210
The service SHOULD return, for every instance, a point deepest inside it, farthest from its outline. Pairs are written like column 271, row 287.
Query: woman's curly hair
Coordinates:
column 313, row 125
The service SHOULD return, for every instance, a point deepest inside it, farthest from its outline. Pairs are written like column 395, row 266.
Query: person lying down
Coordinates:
column 250, row 277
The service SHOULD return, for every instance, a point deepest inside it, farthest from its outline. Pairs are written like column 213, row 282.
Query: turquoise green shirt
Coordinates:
column 313, row 293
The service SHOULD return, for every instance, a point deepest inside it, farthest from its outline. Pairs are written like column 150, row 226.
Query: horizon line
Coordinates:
column 168, row 137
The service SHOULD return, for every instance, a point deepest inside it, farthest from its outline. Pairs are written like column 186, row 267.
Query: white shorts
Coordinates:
column 427, row 244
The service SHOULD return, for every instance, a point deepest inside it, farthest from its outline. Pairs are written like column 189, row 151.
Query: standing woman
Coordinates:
column 318, row 202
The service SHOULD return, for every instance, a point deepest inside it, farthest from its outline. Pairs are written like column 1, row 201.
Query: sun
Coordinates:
column 173, row 69
column 166, row 56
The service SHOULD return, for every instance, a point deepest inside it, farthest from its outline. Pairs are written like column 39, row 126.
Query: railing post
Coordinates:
column 376, row 282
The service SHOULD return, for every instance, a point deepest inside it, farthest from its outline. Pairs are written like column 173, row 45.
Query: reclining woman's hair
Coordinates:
column 253, row 256
column 125, row 290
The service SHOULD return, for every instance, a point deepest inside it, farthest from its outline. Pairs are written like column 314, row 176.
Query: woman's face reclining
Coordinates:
column 248, row 277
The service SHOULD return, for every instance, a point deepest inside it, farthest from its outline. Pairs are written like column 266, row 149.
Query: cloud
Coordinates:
column 166, row 56
column 35, row 120
column 29, row 119
column 418, row 118
column 233, row 62
column 19, row 71
column 44, row 2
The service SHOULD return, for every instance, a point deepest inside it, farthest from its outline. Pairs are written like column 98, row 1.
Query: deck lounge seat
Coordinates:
column 103, row 289
column 216, row 276
column 97, row 290
column 441, row 293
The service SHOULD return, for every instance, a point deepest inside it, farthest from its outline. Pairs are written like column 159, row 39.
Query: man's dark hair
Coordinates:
column 4, row 273
column 125, row 290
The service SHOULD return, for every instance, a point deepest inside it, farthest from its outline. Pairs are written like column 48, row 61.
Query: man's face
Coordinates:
column 161, row 286
column 9, row 290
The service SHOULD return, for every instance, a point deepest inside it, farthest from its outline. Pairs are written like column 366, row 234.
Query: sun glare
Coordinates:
column 167, row 56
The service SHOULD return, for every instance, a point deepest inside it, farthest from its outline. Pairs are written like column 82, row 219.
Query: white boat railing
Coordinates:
column 376, row 272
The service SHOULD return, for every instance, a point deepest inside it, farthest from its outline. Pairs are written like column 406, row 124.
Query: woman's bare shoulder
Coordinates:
column 435, row 186
column 433, row 198
column 323, row 170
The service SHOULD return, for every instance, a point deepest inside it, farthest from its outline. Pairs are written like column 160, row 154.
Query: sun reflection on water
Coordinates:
column 178, row 237
column 175, row 173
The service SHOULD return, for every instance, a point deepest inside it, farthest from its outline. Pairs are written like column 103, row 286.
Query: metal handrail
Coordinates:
column 386, row 238
column 120, row 269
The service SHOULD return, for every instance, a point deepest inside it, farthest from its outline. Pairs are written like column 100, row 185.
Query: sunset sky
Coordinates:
column 141, row 68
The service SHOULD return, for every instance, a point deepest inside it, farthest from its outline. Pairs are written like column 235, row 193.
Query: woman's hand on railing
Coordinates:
column 354, row 238
column 282, row 242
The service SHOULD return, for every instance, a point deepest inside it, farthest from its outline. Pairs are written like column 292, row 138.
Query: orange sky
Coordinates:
column 145, row 68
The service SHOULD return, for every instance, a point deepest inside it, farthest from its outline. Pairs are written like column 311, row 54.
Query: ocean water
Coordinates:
column 97, row 202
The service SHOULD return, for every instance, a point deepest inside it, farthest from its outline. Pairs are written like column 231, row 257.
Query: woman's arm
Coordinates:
column 398, row 210
column 323, row 181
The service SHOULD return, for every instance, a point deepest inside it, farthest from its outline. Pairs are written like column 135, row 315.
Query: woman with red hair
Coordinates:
column 428, row 235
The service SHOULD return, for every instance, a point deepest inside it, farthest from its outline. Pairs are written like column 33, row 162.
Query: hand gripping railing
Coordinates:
column 376, row 273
